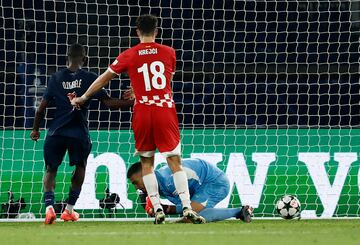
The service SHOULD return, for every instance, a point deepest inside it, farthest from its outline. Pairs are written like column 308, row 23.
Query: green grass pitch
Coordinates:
column 337, row 232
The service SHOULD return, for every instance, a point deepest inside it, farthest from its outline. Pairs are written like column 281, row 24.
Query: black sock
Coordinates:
column 73, row 196
column 49, row 198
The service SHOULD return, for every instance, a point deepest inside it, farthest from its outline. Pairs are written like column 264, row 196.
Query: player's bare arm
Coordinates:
column 98, row 84
column 39, row 115
column 129, row 94
column 115, row 103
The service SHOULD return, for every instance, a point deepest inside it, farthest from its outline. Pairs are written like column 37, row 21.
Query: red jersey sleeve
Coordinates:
column 120, row 64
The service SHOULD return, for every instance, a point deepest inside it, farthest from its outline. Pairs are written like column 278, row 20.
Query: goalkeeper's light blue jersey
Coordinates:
column 201, row 175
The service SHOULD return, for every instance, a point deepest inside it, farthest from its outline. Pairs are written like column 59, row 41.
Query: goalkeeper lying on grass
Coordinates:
column 208, row 185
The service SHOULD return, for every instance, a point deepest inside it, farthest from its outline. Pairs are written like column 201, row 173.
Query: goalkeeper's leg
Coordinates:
column 218, row 214
column 212, row 214
column 152, row 187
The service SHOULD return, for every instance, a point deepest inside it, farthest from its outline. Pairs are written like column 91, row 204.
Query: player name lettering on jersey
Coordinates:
column 148, row 51
column 73, row 84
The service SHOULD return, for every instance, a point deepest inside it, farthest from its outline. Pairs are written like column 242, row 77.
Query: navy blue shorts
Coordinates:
column 56, row 146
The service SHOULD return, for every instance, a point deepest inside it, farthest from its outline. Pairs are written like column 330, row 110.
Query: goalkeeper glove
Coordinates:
column 149, row 208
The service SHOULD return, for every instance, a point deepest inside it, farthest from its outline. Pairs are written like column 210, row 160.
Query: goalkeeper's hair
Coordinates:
column 76, row 50
column 147, row 24
column 135, row 168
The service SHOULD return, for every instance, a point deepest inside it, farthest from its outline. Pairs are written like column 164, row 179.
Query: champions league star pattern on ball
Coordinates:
column 288, row 207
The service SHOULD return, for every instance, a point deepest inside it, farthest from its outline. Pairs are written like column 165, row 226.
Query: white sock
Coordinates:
column 182, row 188
column 48, row 207
column 152, row 189
column 70, row 208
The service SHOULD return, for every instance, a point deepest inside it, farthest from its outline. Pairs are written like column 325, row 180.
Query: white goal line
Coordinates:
column 168, row 219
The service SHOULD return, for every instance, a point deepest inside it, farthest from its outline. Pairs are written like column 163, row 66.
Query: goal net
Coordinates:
column 266, row 90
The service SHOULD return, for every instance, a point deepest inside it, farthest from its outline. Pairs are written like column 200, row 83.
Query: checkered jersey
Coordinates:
column 165, row 101
column 148, row 65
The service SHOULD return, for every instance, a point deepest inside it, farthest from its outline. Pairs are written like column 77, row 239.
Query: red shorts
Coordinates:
column 155, row 128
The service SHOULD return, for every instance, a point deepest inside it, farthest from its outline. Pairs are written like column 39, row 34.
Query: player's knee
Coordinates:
column 147, row 169
column 147, row 165
column 80, row 168
column 175, row 159
column 51, row 170
column 79, row 172
column 174, row 163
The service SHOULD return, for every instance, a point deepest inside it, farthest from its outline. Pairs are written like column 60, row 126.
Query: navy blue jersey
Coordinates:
column 69, row 121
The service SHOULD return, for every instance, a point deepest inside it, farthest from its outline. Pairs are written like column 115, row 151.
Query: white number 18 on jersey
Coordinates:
column 158, row 80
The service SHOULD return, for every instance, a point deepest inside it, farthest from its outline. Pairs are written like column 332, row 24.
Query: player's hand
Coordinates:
column 77, row 102
column 129, row 94
column 149, row 208
column 35, row 135
column 72, row 96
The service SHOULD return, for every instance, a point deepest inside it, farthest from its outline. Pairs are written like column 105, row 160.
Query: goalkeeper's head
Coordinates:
column 147, row 25
column 134, row 174
column 77, row 54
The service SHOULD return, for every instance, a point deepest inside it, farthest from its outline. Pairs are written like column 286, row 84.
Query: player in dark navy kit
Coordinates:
column 69, row 130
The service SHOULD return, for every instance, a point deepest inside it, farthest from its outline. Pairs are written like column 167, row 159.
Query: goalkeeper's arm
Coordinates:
column 149, row 208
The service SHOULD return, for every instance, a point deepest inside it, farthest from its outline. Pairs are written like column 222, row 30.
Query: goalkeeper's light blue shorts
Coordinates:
column 210, row 194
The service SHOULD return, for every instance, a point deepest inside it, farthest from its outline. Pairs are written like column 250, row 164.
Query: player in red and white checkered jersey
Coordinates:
column 150, row 67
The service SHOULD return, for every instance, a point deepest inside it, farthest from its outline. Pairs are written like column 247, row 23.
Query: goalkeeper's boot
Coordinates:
column 193, row 216
column 50, row 216
column 67, row 216
column 245, row 214
column 159, row 217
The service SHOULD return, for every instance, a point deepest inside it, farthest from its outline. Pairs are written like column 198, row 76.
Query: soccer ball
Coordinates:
column 288, row 207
